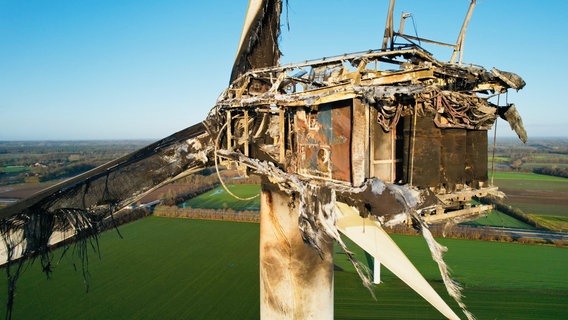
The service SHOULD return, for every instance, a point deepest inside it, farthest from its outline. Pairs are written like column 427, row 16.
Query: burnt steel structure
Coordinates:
column 345, row 145
column 397, row 115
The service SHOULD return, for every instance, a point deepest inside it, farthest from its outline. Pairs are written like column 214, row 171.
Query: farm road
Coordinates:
column 522, row 233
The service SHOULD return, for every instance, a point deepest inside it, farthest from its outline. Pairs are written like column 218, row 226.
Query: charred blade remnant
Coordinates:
column 79, row 208
column 87, row 201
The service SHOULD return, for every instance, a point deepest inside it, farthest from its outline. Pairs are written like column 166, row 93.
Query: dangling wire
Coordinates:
column 494, row 142
column 415, row 30
column 413, row 143
column 217, row 169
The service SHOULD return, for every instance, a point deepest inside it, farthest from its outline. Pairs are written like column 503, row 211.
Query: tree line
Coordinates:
column 552, row 171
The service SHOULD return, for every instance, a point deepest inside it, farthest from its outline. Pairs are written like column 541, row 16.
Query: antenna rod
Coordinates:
column 389, row 27
column 403, row 17
column 461, row 37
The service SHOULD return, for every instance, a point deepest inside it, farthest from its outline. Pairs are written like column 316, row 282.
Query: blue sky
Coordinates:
column 108, row 69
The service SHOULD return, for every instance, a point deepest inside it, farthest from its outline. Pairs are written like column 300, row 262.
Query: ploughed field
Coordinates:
column 544, row 198
column 535, row 193
column 168, row 268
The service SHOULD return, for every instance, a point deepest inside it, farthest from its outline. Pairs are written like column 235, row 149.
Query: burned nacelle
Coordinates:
column 397, row 115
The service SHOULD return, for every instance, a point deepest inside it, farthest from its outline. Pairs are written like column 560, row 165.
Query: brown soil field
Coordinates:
column 538, row 201
column 537, row 196
column 20, row 191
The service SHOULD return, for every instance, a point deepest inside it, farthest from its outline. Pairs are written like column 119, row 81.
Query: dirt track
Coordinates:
column 20, row 191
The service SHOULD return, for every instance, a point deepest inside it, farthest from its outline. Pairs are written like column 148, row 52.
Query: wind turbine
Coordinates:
column 345, row 145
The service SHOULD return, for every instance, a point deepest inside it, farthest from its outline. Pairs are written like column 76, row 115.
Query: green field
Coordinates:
column 167, row 268
column 531, row 180
column 13, row 169
column 219, row 198
column 498, row 219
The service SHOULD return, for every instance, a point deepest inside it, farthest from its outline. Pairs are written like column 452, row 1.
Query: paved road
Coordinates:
column 523, row 233
column 7, row 200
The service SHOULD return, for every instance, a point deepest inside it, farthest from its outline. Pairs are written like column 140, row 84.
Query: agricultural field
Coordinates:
column 41, row 161
column 512, row 154
column 544, row 198
column 498, row 219
column 167, row 268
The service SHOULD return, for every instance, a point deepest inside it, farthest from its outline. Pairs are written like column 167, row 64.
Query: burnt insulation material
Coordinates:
column 512, row 116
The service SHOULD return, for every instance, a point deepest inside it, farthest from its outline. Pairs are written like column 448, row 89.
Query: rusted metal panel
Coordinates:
column 324, row 141
column 476, row 158
column 422, row 155
column 383, row 151
column 453, row 158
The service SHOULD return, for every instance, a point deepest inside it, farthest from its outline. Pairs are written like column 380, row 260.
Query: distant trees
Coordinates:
column 552, row 171
column 517, row 164
column 65, row 171
column 207, row 214
column 49, row 160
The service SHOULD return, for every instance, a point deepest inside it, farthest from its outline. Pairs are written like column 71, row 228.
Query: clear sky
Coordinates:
column 143, row 69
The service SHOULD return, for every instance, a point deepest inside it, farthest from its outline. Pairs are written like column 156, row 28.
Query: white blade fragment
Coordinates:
column 254, row 7
column 374, row 240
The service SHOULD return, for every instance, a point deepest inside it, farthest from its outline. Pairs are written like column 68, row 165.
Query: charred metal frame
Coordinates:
column 398, row 115
column 390, row 35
